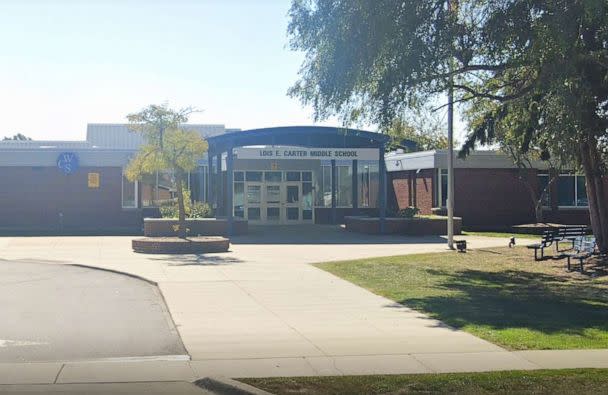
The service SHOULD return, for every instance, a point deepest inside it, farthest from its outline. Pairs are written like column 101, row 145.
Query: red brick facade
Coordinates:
column 411, row 189
column 43, row 198
column 484, row 198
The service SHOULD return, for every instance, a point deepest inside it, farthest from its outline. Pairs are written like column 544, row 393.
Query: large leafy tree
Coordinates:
column 167, row 147
column 419, row 130
column 537, row 67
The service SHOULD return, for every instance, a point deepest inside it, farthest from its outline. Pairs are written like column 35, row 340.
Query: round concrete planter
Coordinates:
column 175, row 245
column 417, row 226
column 166, row 227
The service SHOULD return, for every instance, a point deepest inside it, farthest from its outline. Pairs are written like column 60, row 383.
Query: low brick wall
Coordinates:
column 174, row 245
column 164, row 227
column 404, row 226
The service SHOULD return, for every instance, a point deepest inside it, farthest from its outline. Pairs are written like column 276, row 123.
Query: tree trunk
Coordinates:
column 596, row 193
column 538, row 210
column 182, row 231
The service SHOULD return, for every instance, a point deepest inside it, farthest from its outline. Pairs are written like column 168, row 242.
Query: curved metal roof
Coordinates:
column 305, row 136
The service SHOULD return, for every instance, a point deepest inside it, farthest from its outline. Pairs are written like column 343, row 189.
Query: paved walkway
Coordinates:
column 260, row 310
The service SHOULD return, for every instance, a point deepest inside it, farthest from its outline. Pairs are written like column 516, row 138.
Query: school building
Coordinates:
column 282, row 175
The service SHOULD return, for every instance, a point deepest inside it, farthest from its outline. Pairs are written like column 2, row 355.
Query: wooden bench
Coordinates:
column 581, row 249
column 546, row 242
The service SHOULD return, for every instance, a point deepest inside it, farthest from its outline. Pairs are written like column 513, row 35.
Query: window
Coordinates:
column 571, row 191
column 129, row 193
column 324, row 187
column 344, row 186
column 255, row 176
column 368, row 183
column 239, row 199
column 273, row 176
column 293, row 176
column 441, row 190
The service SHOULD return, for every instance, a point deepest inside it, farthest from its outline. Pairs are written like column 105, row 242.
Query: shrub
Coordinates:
column 200, row 210
column 408, row 212
column 169, row 211
column 193, row 209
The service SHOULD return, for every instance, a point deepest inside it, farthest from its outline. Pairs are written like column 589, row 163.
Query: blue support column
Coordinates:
column 382, row 191
column 210, row 179
column 334, row 216
column 355, row 184
column 201, row 184
column 229, row 190
column 219, row 196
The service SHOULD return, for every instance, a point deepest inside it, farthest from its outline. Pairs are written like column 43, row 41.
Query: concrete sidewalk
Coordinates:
column 261, row 310
column 189, row 371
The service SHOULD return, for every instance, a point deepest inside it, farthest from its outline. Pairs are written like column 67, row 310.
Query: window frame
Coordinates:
column 122, row 192
column 439, row 190
column 575, row 206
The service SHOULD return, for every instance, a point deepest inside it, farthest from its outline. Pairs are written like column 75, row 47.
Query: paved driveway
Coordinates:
column 262, row 310
column 67, row 313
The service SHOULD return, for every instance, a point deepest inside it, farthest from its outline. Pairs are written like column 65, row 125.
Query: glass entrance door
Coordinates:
column 293, row 199
column 274, row 197
column 254, row 202
column 272, row 203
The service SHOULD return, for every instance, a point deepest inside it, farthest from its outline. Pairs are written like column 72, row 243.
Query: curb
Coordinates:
column 226, row 386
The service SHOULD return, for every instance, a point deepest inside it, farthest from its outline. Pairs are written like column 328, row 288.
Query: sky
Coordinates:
column 66, row 63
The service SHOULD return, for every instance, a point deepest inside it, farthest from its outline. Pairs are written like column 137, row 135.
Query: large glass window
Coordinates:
column 581, row 192
column 441, row 189
column 344, row 186
column 571, row 191
column 324, row 187
column 566, row 195
column 273, row 176
column 239, row 199
column 129, row 193
column 368, row 184
column 307, row 196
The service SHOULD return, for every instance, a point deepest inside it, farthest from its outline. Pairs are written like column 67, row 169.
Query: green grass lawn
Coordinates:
column 499, row 294
column 502, row 234
column 587, row 381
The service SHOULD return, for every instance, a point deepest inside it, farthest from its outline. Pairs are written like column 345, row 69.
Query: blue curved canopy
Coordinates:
column 303, row 136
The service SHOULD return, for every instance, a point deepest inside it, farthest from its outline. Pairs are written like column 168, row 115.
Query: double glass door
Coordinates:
column 275, row 198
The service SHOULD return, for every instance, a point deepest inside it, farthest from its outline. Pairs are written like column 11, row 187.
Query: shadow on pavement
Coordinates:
column 323, row 234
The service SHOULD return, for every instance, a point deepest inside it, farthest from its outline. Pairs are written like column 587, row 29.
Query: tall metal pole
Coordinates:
column 450, row 200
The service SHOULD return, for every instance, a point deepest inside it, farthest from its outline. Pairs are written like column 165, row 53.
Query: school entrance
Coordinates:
column 274, row 197
column 296, row 175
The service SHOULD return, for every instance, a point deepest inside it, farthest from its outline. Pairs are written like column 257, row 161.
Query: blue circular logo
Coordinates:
column 67, row 162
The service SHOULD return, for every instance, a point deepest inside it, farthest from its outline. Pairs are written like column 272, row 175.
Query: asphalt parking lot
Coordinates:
column 71, row 313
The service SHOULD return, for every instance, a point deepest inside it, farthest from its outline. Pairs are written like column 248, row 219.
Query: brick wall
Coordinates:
column 34, row 197
column 410, row 189
column 484, row 198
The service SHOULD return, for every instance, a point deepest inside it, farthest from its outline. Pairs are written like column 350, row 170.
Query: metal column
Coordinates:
column 334, row 216
column 355, row 184
column 229, row 190
column 382, row 190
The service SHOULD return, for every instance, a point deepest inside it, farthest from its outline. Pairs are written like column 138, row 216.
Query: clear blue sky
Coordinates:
column 67, row 62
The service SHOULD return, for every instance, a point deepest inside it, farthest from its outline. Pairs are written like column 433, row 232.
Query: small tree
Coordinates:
column 167, row 147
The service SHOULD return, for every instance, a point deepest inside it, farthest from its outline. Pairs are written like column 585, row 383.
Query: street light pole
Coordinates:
column 450, row 199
